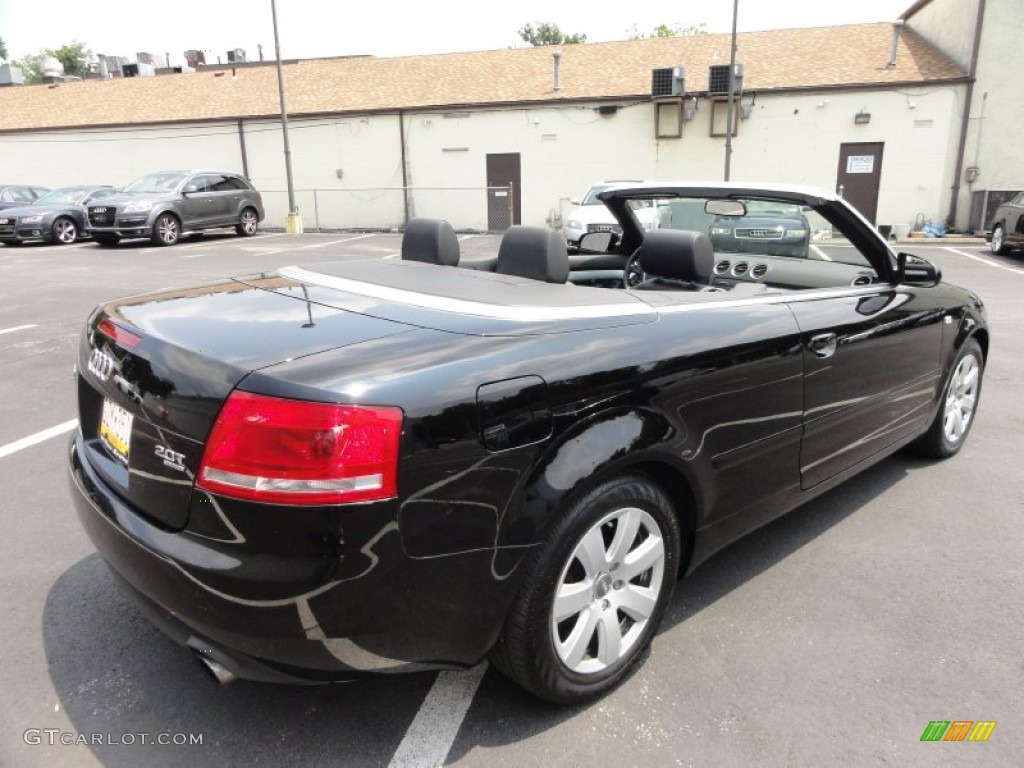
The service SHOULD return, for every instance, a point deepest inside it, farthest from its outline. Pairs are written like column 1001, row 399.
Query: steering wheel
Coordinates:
column 633, row 274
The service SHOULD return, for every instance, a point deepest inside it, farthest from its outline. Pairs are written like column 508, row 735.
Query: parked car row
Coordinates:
column 159, row 206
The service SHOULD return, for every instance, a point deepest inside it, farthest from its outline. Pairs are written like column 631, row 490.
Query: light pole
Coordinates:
column 293, row 222
column 729, row 116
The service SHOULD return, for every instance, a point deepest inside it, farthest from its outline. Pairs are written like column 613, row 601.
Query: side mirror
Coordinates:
column 599, row 242
column 913, row 270
column 190, row 189
column 575, row 201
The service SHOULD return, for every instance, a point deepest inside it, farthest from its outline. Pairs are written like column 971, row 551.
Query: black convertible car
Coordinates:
column 398, row 465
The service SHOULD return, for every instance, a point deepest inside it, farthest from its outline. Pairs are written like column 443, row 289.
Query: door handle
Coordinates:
column 823, row 345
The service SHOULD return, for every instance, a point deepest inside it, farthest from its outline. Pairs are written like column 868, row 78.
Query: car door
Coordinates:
column 223, row 194
column 871, row 361
column 198, row 204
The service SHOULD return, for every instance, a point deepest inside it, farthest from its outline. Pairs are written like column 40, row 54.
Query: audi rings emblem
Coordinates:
column 101, row 365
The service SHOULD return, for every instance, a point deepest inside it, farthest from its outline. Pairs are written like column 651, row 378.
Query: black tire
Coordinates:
column 526, row 651
column 943, row 439
column 64, row 231
column 166, row 230
column 106, row 241
column 998, row 244
column 248, row 221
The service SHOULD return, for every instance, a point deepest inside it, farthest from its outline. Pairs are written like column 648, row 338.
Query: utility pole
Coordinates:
column 729, row 112
column 293, row 222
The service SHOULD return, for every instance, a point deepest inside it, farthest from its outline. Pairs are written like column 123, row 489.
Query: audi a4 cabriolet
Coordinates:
column 386, row 465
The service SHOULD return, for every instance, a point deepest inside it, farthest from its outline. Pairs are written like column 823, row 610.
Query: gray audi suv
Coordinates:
column 162, row 206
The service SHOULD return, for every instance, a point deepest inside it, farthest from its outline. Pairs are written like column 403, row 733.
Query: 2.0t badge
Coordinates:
column 101, row 365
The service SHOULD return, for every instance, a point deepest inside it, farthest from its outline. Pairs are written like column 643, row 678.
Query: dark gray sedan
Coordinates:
column 56, row 217
column 17, row 195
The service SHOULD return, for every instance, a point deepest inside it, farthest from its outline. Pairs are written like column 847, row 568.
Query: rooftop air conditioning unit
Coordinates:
column 237, row 56
column 668, row 82
column 718, row 79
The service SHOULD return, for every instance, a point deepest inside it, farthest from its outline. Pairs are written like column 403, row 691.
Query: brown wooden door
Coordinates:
column 859, row 176
column 504, row 205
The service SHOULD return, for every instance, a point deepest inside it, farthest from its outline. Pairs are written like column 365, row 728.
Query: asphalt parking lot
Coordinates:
column 830, row 637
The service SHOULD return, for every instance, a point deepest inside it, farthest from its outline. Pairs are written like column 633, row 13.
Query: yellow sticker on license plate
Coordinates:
column 116, row 429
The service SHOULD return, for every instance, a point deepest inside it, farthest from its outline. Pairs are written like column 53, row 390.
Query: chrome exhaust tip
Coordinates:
column 220, row 673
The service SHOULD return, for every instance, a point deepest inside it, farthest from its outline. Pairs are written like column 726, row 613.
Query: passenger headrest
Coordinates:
column 535, row 252
column 432, row 241
column 677, row 254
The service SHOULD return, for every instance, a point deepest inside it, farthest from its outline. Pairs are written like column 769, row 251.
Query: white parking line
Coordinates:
column 983, row 260
column 334, row 242
column 436, row 725
column 17, row 328
column 38, row 437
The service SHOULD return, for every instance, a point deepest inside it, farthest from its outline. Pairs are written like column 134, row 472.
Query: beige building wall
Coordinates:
column 116, row 156
column 949, row 26
column 789, row 137
column 997, row 109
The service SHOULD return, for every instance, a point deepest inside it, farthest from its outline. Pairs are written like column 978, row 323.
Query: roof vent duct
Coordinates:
column 718, row 79
column 897, row 27
column 668, row 82
column 557, row 56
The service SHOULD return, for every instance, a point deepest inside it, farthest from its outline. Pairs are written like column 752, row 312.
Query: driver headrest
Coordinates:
column 432, row 241
column 678, row 255
column 534, row 252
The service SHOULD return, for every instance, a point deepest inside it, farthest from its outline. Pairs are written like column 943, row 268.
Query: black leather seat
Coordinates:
column 534, row 252
column 676, row 260
column 432, row 241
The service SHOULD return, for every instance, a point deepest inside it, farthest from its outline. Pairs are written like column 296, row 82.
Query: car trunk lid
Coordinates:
column 154, row 372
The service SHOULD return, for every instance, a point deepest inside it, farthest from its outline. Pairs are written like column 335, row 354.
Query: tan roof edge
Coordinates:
column 641, row 97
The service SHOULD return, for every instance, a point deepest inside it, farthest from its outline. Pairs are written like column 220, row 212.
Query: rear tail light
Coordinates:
column 297, row 452
column 116, row 333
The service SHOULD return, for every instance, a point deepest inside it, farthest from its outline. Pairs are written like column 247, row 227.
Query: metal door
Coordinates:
column 859, row 176
column 503, row 191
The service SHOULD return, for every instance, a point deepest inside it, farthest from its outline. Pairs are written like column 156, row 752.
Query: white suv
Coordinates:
column 589, row 214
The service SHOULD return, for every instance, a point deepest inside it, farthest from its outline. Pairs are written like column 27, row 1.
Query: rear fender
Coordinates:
column 605, row 445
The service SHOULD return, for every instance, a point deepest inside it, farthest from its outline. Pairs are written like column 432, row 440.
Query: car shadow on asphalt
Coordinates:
column 502, row 713
column 114, row 673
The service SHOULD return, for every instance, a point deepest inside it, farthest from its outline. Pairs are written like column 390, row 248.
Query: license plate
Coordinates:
column 116, row 429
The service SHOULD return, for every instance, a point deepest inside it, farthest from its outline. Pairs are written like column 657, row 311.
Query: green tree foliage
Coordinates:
column 543, row 33
column 3, row 49
column 666, row 30
column 75, row 57
column 29, row 66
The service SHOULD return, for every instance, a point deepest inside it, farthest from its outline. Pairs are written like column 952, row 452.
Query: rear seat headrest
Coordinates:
column 432, row 241
column 534, row 252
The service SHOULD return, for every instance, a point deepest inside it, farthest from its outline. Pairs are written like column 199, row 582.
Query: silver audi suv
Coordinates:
column 162, row 206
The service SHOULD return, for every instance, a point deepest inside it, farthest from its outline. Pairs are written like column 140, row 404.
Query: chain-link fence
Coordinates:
column 467, row 209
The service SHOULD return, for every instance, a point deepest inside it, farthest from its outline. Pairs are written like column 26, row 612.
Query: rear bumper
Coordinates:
column 305, row 620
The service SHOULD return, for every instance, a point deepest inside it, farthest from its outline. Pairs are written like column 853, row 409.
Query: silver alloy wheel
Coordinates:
column 167, row 227
column 961, row 398
column 607, row 590
column 997, row 240
column 249, row 221
column 65, row 231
